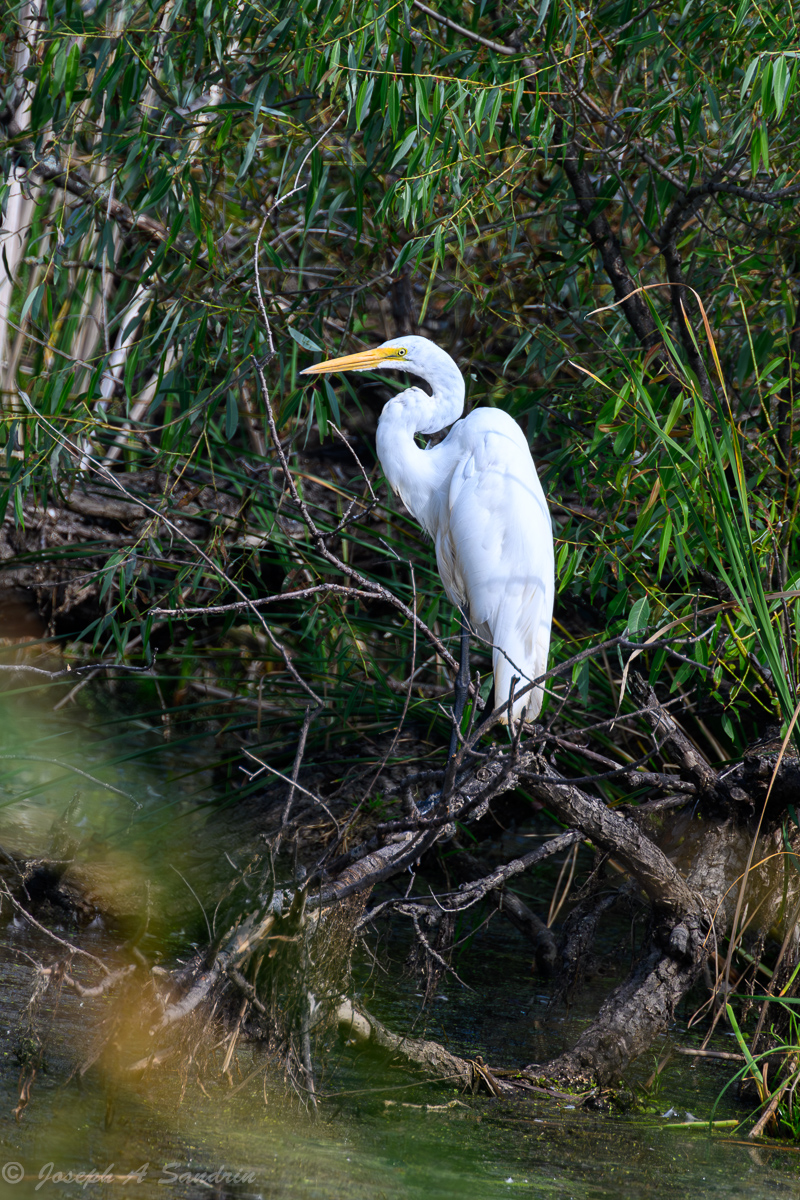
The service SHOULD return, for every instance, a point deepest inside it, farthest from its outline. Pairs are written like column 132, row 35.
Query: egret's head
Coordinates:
column 414, row 354
column 419, row 357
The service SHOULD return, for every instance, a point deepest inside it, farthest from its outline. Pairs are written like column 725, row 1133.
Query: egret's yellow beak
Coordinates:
column 365, row 360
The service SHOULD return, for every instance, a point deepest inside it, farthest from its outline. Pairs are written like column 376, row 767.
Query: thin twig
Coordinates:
column 467, row 33
column 57, row 762
column 293, row 782
column 49, row 933
column 310, row 713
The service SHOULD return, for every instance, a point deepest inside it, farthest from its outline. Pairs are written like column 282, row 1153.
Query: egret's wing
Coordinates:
column 499, row 545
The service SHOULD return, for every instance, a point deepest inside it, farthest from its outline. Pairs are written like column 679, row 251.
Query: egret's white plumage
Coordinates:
column 478, row 495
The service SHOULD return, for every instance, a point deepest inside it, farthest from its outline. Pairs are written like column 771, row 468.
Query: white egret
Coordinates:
column 478, row 496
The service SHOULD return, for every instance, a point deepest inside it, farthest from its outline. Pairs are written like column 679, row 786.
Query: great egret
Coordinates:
column 478, row 496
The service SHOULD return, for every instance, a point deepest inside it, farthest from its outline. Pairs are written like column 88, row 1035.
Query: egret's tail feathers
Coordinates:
column 517, row 665
column 506, row 675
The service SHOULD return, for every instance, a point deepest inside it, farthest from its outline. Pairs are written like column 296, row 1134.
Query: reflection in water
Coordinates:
column 191, row 1130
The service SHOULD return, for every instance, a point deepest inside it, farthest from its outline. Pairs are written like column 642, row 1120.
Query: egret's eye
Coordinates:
column 401, row 352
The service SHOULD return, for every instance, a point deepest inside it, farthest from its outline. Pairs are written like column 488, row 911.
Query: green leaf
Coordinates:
column 495, row 110
column 394, row 107
column 303, row 340
column 780, row 83
column 412, row 247
column 664, row 544
column 332, row 401
column 543, row 9
column 403, row 148
column 748, row 77
column 745, row 1049
column 231, row 416
column 71, row 73
column 766, row 89
column 480, row 105
column 258, row 95
column 519, row 91
column 195, row 214
column 32, row 302
column 639, row 617
column 322, row 420
column 249, row 152
column 764, row 144
column 580, row 676
column 364, row 97
column 676, row 125
column 741, row 13
column 161, row 185
column 682, row 676
column 422, row 98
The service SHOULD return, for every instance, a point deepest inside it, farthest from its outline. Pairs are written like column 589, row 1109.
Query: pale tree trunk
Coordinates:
column 95, row 309
column 20, row 205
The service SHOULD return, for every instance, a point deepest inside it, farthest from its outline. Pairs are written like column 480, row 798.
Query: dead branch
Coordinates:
column 105, row 986
column 359, row 1027
column 692, row 762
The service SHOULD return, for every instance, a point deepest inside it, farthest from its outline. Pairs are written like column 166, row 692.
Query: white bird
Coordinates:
column 478, row 496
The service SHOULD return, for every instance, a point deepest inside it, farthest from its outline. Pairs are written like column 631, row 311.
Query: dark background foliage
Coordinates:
column 593, row 211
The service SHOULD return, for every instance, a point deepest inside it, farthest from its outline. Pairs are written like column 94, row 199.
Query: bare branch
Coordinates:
column 467, row 33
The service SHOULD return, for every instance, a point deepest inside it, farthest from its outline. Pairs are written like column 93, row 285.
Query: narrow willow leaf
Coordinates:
column 333, row 403
column 764, row 144
column 780, row 84
column 322, row 419
column 767, row 101
column 195, row 214
column 741, row 14
column 678, row 128
column 664, row 544
column 231, row 416
column 71, row 73
column 421, row 91
column 748, row 77
column 303, row 340
column 494, row 112
column 32, row 302
column 518, row 93
column 403, row 148
column 249, row 152
column 394, row 107
column 364, row 97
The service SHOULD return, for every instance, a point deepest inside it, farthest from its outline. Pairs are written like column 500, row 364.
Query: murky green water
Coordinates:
column 380, row 1133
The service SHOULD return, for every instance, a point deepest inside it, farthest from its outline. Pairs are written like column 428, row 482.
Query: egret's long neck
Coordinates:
column 411, row 471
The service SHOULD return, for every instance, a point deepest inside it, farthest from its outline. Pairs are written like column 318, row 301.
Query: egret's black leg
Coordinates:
column 461, row 688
